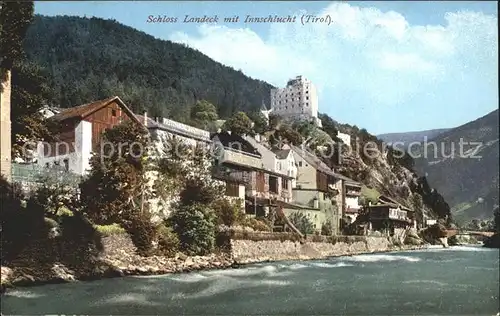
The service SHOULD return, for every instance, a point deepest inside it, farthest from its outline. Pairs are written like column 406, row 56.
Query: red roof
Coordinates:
column 81, row 111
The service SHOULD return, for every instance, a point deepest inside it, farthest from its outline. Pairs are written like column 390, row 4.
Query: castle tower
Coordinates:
column 297, row 101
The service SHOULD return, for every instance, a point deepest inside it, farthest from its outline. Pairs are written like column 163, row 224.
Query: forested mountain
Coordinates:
column 91, row 59
column 468, row 180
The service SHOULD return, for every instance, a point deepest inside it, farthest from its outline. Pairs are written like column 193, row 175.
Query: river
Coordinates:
column 455, row 281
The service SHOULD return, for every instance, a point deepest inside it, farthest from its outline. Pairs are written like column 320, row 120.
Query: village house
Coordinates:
column 349, row 198
column 238, row 158
column 286, row 162
column 81, row 129
column 390, row 217
column 282, row 165
column 315, row 194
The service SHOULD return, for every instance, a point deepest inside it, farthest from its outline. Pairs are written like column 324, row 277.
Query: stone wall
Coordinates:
column 259, row 247
column 53, row 260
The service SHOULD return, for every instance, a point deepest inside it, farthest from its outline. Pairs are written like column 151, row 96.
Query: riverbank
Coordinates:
column 119, row 257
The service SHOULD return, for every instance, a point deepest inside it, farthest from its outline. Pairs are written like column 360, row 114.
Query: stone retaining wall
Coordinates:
column 262, row 247
column 119, row 257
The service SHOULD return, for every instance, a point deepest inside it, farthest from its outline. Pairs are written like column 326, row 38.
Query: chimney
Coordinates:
column 145, row 119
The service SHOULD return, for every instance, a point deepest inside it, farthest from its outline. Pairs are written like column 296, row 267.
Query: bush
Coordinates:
column 18, row 225
column 168, row 241
column 228, row 213
column 109, row 230
column 84, row 239
column 327, row 228
column 142, row 232
column 257, row 224
column 196, row 227
column 302, row 223
column 64, row 211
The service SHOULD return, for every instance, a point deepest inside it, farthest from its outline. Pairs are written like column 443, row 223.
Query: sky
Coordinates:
column 387, row 66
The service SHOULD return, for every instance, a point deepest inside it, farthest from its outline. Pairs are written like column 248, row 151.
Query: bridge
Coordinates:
column 455, row 232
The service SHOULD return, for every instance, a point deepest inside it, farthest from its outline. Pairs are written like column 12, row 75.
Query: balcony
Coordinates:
column 233, row 156
column 353, row 193
column 187, row 130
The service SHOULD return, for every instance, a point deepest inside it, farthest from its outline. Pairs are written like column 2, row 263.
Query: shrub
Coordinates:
column 109, row 230
column 142, row 231
column 196, row 191
column 227, row 212
column 83, row 238
column 168, row 241
column 257, row 224
column 327, row 228
column 302, row 223
column 64, row 211
column 18, row 225
column 196, row 227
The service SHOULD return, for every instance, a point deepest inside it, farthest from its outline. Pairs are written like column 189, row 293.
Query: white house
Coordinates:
column 285, row 162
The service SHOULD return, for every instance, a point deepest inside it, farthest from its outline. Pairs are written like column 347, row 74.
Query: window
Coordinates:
column 285, row 184
column 113, row 113
column 273, row 184
column 300, row 163
column 307, row 92
column 307, row 104
column 47, row 165
column 66, row 164
column 232, row 189
column 307, row 98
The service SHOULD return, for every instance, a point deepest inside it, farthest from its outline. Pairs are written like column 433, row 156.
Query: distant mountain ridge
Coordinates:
column 468, row 181
column 408, row 137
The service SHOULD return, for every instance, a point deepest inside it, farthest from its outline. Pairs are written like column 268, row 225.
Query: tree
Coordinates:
column 239, row 124
column 16, row 18
column 302, row 223
column 329, row 126
column 260, row 122
column 56, row 194
column 171, row 169
column 30, row 91
column 195, row 226
column 288, row 134
column 204, row 113
column 274, row 121
column 327, row 228
column 116, row 185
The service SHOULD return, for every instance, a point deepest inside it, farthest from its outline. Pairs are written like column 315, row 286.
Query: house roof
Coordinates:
column 282, row 154
column 319, row 165
column 81, row 111
column 234, row 141
column 312, row 160
column 347, row 180
column 385, row 200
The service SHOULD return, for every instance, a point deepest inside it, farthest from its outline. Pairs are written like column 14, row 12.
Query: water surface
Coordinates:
column 455, row 281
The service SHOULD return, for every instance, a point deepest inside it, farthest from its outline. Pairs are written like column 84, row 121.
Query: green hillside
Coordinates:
column 92, row 58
